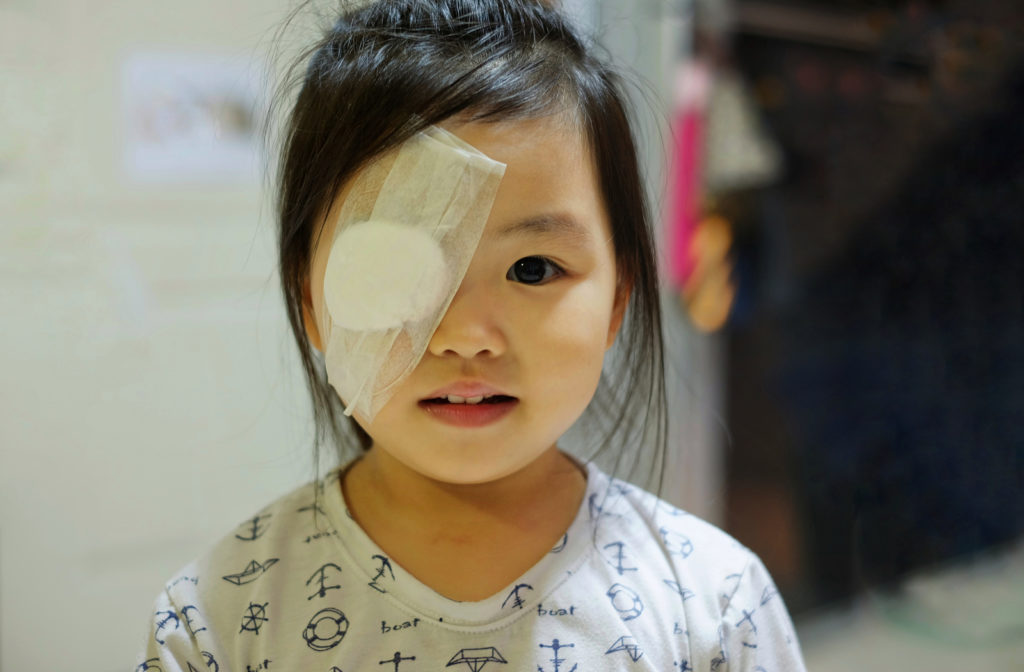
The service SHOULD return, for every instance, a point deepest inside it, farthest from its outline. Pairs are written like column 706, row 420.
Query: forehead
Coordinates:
column 550, row 186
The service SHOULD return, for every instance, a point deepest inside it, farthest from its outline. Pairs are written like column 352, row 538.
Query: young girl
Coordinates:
column 463, row 237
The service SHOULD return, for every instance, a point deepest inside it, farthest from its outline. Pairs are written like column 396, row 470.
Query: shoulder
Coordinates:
column 249, row 556
column 684, row 539
column 232, row 590
column 705, row 569
column 728, row 605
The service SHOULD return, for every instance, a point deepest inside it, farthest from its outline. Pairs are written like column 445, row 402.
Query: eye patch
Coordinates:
column 406, row 234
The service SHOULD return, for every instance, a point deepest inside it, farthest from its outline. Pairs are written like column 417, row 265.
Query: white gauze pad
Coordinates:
column 406, row 233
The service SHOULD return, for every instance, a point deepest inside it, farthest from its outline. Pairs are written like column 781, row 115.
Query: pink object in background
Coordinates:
column 691, row 95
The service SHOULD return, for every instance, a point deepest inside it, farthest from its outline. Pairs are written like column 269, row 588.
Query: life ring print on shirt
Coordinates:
column 625, row 601
column 326, row 629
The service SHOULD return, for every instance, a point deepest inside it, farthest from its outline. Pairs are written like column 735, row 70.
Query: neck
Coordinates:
column 464, row 541
column 551, row 484
column 404, row 490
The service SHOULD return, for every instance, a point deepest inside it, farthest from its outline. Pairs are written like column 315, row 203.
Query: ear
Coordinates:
column 309, row 317
column 622, row 294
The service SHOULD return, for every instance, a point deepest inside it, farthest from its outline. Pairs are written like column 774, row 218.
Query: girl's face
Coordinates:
column 536, row 311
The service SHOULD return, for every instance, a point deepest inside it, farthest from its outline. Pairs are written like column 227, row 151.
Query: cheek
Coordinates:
column 574, row 334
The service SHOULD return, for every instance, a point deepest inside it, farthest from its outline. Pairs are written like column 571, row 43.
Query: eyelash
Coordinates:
column 557, row 270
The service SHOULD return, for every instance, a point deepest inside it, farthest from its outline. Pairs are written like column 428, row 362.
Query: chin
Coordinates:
column 463, row 471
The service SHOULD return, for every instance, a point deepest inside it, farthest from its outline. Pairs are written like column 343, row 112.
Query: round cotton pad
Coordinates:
column 382, row 275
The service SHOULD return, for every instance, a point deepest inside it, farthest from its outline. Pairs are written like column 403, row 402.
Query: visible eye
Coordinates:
column 533, row 270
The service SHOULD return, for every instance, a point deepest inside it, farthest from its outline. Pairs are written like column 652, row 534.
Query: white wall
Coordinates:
column 149, row 399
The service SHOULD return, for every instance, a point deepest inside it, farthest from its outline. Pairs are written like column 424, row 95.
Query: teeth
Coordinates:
column 456, row 399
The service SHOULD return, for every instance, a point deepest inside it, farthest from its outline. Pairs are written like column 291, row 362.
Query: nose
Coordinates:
column 471, row 326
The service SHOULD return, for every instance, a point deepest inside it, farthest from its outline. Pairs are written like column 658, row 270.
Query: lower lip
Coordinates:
column 469, row 415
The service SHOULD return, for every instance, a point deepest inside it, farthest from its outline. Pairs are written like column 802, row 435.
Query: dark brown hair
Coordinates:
column 386, row 70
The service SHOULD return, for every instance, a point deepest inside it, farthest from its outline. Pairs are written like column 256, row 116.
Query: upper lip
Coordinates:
column 467, row 389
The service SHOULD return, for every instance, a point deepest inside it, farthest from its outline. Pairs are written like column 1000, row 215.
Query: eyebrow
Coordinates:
column 562, row 225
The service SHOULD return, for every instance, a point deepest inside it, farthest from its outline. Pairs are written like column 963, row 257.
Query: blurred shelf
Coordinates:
column 836, row 28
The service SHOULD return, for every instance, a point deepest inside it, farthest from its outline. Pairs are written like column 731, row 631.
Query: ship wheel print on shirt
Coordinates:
column 254, row 617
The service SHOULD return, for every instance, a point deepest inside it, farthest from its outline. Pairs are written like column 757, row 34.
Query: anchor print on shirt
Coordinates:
column 153, row 664
column 397, row 660
column 597, row 508
column 320, row 576
column 165, row 620
column 311, row 507
column 616, row 556
column 210, row 661
column 383, row 571
column 625, row 601
column 555, row 660
column 252, row 571
column 190, row 620
column 326, row 629
column 254, row 528
column 254, row 618
column 626, row 643
column 476, row 659
column 517, row 599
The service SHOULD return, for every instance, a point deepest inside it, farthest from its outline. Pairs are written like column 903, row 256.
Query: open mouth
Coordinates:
column 469, row 412
column 469, row 401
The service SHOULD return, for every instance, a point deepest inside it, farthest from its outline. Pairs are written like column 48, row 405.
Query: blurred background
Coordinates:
column 841, row 191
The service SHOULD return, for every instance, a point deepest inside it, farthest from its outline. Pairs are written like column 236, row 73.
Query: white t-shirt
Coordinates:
column 635, row 584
